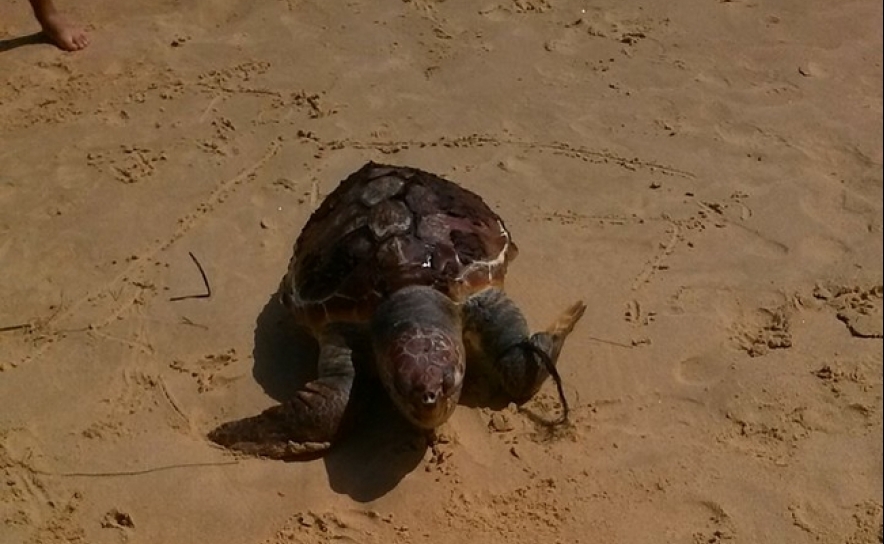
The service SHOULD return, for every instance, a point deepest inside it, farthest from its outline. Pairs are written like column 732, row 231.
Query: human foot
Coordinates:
column 62, row 33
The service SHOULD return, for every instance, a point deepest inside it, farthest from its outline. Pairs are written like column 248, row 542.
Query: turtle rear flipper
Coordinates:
column 306, row 424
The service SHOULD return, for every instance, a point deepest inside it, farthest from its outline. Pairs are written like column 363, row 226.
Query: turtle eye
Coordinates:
column 448, row 380
column 401, row 383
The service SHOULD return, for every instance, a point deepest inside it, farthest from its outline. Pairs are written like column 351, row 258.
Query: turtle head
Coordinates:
column 420, row 354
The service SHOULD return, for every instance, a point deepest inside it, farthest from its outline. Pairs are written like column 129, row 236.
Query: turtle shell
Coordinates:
column 387, row 227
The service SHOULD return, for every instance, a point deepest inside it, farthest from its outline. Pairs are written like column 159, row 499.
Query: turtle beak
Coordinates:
column 424, row 394
column 429, row 398
column 431, row 409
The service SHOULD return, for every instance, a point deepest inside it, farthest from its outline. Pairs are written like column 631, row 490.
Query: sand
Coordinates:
column 707, row 176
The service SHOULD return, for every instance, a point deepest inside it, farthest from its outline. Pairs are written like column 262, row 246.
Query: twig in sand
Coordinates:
column 20, row 326
column 208, row 292
column 187, row 321
column 37, row 322
column 610, row 342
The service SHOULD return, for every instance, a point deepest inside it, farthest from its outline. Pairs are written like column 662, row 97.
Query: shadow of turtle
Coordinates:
column 285, row 354
column 378, row 447
column 482, row 389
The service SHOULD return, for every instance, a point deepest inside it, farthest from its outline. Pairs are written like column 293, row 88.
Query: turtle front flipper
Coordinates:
column 306, row 424
column 496, row 328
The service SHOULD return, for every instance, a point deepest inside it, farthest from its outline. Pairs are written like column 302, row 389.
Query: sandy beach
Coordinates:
column 706, row 176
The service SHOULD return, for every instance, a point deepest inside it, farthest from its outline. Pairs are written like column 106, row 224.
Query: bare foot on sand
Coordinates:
column 59, row 31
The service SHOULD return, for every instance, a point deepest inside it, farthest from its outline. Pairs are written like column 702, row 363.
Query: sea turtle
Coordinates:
column 419, row 263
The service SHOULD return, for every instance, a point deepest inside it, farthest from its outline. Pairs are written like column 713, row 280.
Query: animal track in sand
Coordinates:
column 31, row 508
column 773, row 417
column 314, row 104
column 864, row 525
column 530, row 6
column 859, row 308
column 367, row 526
column 719, row 527
column 240, row 79
column 570, row 217
column 763, row 330
column 60, row 525
column 136, row 392
column 127, row 289
column 681, row 229
column 658, row 261
column 772, row 430
column 855, row 386
column 69, row 89
column 129, row 164
column 626, row 28
column 21, row 493
column 534, row 512
column 701, row 370
column 868, row 523
column 233, row 79
column 685, row 230
column 476, row 140
column 220, row 142
column 208, row 371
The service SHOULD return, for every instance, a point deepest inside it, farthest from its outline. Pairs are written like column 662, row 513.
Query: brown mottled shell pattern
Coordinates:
column 388, row 227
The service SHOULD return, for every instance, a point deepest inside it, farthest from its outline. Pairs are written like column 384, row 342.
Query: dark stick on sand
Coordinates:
column 208, row 292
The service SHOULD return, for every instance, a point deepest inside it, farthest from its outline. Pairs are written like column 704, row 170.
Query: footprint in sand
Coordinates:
column 701, row 370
